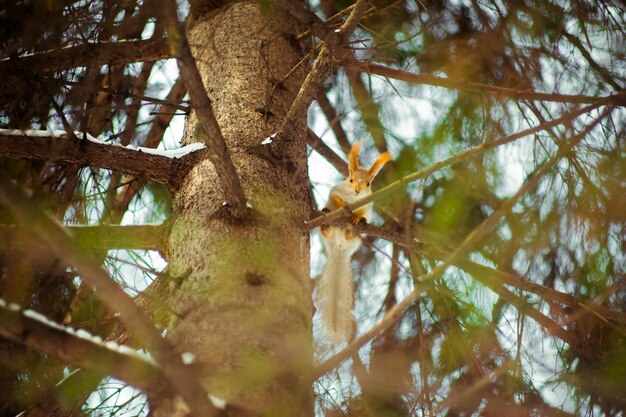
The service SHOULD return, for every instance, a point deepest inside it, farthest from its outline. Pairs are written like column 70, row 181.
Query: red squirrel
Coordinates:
column 334, row 288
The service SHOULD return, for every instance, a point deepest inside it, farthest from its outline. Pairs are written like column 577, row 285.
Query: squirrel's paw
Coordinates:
column 358, row 219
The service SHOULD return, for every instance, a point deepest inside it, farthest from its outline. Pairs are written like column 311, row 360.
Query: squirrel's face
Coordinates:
column 359, row 180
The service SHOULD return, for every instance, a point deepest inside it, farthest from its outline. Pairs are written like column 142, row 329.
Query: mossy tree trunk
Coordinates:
column 240, row 292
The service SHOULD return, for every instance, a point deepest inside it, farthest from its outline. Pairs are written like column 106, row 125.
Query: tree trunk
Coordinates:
column 240, row 292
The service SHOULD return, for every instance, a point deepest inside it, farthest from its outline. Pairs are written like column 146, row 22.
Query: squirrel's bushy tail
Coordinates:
column 334, row 288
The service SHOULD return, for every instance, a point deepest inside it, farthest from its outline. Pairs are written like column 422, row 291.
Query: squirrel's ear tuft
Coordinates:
column 378, row 164
column 353, row 158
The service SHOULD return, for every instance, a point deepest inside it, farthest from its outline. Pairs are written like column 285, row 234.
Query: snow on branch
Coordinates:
column 163, row 166
column 79, row 347
column 114, row 297
column 89, row 53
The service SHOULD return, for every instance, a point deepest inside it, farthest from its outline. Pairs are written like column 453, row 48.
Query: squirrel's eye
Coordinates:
column 351, row 180
column 368, row 184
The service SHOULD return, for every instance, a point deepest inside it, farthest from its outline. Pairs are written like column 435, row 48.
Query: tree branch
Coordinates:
column 165, row 167
column 93, row 238
column 120, row 52
column 397, row 312
column 505, row 92
column 490, row 276
column 367, row 107
column 334, row 121
column 216, row 146
column 320, row 147
column 106, row 237
column 152, row 140
column 460, row 157
column 111, row 294
column 173, row 104
column 322, row 68
column 79, row 348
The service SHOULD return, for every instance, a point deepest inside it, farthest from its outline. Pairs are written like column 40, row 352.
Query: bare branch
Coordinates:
column 60, row 147
column 481, row 383
column 80, row 349
column 305, row 16
column 121, row 52
column 162, row 120
column 216, row 146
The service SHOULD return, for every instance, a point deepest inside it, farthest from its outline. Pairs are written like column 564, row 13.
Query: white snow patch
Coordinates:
column 43, row 319
column 248, row 205
column 112, row 345
column 217, row 402
column 188, row 358
column 10, row 306
column 84, row 334
column 172, row 153
column 269, row 139
column 127, row 350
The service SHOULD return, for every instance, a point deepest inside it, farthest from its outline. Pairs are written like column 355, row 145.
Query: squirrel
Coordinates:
column 334, row 288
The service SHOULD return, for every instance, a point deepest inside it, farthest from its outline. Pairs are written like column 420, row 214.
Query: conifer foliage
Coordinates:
column 492, row 280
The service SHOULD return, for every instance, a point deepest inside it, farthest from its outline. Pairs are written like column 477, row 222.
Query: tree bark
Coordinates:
column 240, row 291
